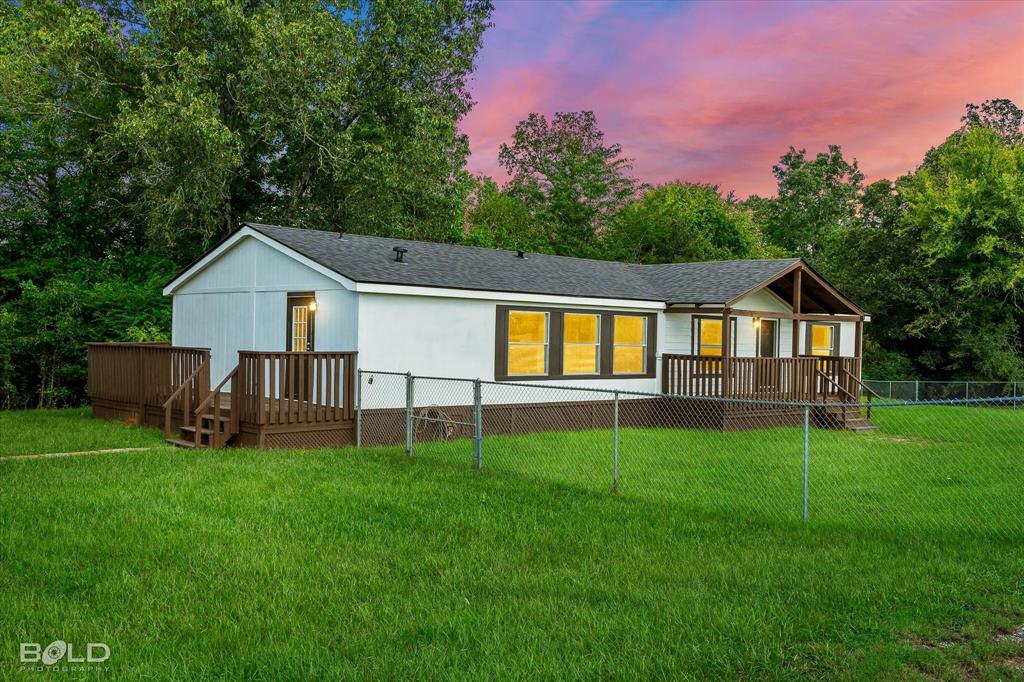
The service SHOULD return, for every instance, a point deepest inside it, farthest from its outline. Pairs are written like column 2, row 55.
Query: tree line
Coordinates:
column 134, row 135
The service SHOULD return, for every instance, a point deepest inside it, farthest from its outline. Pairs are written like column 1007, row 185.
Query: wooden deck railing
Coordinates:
column 139, row 377
column 801, row 379
column 186, row 395
column 295, row 388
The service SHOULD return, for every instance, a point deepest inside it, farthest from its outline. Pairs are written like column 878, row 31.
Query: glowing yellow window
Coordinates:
column 822, row 339
column 581, row 337
column 710, row 332
column 630, row 350
column 527, row 342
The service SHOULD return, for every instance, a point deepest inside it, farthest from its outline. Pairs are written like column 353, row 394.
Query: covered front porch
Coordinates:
column 792, row 339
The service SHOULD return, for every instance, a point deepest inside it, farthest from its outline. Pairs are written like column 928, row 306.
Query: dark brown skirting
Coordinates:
column 435, row 423
column 387, row 426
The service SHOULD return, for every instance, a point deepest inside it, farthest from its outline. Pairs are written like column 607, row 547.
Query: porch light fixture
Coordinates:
column 312, row 306
column 757, row 323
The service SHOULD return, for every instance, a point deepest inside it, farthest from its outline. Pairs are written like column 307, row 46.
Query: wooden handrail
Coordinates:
column 186, row 411
column 834, row 383
column 216, row 440
column 870, row 391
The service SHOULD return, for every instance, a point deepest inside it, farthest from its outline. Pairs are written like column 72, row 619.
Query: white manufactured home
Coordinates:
column 268, row 296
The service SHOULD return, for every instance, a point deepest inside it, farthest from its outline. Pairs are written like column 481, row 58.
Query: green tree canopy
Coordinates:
column 568, row 176
column 965, row 213
column 816, row 197
column 499, row 220
column 181, row 118
column 679, row 222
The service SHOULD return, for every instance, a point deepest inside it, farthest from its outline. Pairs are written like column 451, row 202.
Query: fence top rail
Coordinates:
column 710, row 399
column 942, row 381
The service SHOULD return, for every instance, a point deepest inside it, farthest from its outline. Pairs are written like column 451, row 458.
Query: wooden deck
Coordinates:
column 829, row 384
column 294, row 400
column 308, row 400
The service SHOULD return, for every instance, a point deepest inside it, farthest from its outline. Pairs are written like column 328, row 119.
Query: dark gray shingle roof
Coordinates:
column 363, row 258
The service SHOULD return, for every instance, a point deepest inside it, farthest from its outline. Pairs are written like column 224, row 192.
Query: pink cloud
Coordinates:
column 716, row 92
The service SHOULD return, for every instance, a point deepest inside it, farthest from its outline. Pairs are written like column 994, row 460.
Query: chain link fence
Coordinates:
column 944, row 466
column 945, row 390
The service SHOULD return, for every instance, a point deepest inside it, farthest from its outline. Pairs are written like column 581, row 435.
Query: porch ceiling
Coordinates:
column 816, row 295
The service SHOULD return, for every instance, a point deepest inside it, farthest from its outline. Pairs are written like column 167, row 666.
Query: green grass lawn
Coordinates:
column 372, row 564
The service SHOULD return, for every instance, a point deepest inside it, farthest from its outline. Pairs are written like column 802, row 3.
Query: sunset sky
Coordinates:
column 716, row 92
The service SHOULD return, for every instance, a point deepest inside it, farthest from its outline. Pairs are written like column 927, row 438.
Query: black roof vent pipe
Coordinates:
column 400, row 254
column 520, row 254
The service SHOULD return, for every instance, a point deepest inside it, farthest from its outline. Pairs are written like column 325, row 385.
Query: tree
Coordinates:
column 679, row 222
column 964, row 212
column 1002, row 116
column 498, row 220
column 569, row 178
column 182, row 118
column 815, row 198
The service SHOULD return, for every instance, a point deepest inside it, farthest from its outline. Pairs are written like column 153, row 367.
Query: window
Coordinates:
column 573, row 343
column 709, row 336
column 581, row 341
column 823, row 339
column 527, row 343
column 630, row 350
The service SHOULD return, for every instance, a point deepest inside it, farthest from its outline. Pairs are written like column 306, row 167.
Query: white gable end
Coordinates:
column 249, row 260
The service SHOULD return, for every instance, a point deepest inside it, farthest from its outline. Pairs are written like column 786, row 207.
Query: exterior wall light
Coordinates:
column 757, row 323
column 312, row 306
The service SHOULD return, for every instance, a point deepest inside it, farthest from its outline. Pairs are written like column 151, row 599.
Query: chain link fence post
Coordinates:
column 359, row 408
column 478, row 425
column 615, row 444
column 807, row 426
column 408, row 412
column 917, row 390
column 967, row 390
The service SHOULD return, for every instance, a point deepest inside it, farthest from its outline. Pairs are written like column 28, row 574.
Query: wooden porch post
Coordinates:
column 726, row 351
column 797, row 295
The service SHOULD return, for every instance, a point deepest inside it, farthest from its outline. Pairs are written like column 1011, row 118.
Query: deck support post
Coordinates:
column 807, row 425
column 726, row 352
column 797, row 294
column 615, row 444
column 408, row 412
column 359, row 408
column 478, row 425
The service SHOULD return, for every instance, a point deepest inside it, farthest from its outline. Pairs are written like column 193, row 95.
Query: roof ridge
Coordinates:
column 492, row 249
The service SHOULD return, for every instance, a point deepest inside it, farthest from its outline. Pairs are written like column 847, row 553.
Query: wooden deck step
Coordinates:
column 180, row 443
column 191, row 430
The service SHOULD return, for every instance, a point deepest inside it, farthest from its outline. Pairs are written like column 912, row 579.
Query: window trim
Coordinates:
column 556, row 347
column 546, row 343
column 836, row 330
column 695, row 334
column 597, row 343
column 643, row 345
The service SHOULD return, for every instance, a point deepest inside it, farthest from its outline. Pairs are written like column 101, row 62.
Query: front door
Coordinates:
column 767, row 336
column 300, row 332
column 301, row 319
